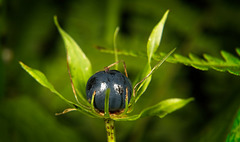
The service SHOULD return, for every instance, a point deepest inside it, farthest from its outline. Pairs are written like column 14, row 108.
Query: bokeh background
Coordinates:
column 28, row 34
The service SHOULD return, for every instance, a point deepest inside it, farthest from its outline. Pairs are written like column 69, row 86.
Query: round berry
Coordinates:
column 116, row 82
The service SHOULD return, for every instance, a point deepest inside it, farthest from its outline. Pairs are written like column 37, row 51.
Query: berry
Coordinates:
column 116, row 82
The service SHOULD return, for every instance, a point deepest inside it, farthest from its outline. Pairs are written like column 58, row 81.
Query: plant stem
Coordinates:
column 110, row 128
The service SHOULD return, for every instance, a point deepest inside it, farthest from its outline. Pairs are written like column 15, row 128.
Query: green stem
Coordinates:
column 110, row 128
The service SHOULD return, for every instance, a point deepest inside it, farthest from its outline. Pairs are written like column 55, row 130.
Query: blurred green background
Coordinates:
column 28, row 34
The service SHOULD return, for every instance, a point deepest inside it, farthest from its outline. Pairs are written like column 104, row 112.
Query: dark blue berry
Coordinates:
column 116, row 82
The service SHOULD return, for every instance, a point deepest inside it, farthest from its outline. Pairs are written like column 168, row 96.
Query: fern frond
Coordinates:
column 229, row 63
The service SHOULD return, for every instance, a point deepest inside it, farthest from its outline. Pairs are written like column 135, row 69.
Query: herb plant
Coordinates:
column 80, row 70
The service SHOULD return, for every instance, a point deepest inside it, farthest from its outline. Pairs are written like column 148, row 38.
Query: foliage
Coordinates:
column 230, row 63
column 197, row 27
column 234, row 135
column 80, row 75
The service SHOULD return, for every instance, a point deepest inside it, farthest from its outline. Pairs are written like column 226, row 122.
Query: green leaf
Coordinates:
column 122, row 52
column 147, row 75
column 234, row 135
column 230, row 58
column 165, row 107
column 41, row 78
column 142, row 86
column 152, row 45
column 161, row 109
column 79, row 66
column 199, row 62
column 229, row 63
column 238, row 51
column 155, row 37
column 213, row 60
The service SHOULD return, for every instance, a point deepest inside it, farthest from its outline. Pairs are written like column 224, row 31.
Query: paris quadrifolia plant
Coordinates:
column 109, row 94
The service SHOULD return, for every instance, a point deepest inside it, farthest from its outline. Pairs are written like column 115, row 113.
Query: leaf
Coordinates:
column 143, row 84
column 140, row 87
column 148, row 74
column 161, row 109
column 41, row 78
column 79, row 65
column 234, row 135
column 238, row 51
column 144, row 78
column 166, row 107
column 229, row 63
column 155, row 37
column 230, row 58
column 122, row 52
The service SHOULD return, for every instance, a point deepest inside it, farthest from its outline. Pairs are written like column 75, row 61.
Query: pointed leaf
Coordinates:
column 140, row 87
column 231, row 65
column 211, row 59
column 214, row 60
column 180, row 58
column 41, row 78
column 152, row 45
column 79, row 65
column 238, row 51
column 234, row 134
column 147, row 75
column 143, row 86
column 122, row 52
column 155, row 37
column 199, row 62
column 165, row 107
column 230, row 58
column 161, row 109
